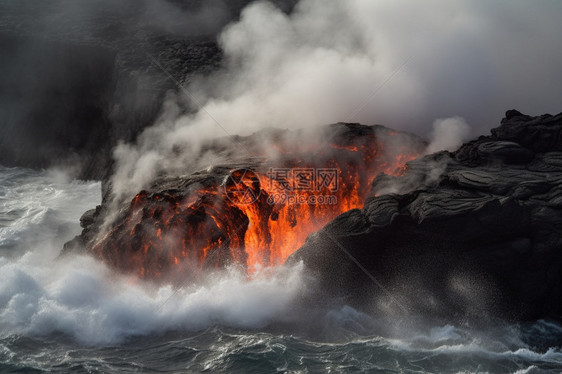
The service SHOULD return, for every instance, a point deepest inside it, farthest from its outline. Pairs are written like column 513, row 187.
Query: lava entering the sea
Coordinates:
column 255, row 215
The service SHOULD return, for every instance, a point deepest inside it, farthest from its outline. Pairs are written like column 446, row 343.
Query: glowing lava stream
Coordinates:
column 258, row 221
column 271, row 239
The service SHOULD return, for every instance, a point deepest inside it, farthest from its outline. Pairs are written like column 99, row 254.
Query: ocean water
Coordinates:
column 73, row 314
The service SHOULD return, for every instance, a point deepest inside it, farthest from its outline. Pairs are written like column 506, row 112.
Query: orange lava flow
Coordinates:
column 258, row 220
column 306, row 210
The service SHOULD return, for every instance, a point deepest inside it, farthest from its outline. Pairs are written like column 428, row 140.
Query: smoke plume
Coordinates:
column 448, row 134
column 403, row 64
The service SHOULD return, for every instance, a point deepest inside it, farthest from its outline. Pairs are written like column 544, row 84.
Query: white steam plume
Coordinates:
column 332, row 60
column 448, row 134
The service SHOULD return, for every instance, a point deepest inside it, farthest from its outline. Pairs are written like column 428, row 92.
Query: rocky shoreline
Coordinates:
column 465, row 234
column 474, row 232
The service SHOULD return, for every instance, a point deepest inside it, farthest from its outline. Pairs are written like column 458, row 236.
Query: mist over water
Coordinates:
column 88, row 302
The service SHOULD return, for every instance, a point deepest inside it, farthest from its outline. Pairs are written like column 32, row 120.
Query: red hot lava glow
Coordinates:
column 256, row 217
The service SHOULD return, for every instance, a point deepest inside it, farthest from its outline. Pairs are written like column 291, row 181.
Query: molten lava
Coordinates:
column 251, row 216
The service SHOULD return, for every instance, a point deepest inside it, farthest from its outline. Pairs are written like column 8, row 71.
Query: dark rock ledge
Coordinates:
column 476, row 232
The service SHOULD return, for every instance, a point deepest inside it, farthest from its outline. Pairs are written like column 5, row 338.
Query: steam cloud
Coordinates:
column 448, row 134
column 403, row 64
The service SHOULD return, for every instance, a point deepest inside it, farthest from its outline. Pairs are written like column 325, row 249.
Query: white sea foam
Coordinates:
column 39, row 207
column 81, row 297
column 450, row 340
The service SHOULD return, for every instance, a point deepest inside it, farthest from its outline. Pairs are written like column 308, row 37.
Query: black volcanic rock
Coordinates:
column 191, row 216
column 475, row 232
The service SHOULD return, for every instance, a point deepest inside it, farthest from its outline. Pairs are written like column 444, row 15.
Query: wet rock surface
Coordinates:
column 476, row 232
